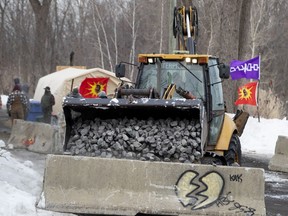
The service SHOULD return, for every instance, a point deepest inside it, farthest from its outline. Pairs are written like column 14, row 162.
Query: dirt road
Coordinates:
column 276, row 186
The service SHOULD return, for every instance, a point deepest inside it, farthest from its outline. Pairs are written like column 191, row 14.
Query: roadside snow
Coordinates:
column 20, row 187
column 260, row 138
column 272, row 177
column 4, row 99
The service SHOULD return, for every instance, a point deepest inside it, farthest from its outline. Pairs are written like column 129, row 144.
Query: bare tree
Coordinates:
column 161, row 26
column 102, row 34
column 101, row 23
column 134, row 30
column 3, row 6
column 41, row 11
column 3, row 43
column 58, row 45
column 95, row 24
column 219, row 36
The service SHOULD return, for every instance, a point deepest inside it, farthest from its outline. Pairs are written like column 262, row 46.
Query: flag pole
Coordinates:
column 258, row 100
column 258, row 88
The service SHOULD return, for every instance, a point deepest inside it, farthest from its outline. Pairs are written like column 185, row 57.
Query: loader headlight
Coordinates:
column 194, row 61
column 151, row 60
column 188, row 60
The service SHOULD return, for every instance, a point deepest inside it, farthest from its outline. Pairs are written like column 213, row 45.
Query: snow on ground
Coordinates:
column 260, row 136
column 4, row 100
column 20, row 186
column 21, row 181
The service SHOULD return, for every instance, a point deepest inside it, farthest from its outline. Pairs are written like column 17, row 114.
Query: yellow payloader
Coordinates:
column 164, row 146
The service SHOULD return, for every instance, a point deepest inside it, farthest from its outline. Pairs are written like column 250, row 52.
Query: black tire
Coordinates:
column 234, row 154
column 213, row 159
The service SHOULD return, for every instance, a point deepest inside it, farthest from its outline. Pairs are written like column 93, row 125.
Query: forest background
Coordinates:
column 38, row 35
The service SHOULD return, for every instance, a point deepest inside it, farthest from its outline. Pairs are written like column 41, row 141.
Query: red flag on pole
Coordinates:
column 247, row 94
column 91, row 87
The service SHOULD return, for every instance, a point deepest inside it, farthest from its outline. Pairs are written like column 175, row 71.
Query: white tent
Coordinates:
column 61, row 83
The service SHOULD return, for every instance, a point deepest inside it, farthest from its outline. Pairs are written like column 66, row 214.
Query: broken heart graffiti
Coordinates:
column 199, row 191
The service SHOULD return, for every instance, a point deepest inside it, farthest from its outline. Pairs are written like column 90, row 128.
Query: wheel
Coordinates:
column 213, row 159
column 234, row 154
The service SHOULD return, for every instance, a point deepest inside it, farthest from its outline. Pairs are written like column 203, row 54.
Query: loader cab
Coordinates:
column 159, row 72
column 201, row 75
column 216, row 103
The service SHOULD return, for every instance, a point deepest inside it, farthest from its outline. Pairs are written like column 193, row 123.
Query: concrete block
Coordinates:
column 35, row 136
column 108, row 186
column 279, row 162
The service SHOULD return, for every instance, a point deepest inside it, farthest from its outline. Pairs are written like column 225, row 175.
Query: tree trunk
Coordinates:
column 41, row 11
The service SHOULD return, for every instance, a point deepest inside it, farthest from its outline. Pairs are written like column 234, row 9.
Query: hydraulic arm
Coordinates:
column 185, row 28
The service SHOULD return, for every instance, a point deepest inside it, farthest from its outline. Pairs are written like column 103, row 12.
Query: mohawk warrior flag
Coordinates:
column 247, row 94
column 249, row 69
column 91, row 87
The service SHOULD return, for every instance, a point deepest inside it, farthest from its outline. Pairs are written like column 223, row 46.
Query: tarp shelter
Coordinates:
column 60, row 83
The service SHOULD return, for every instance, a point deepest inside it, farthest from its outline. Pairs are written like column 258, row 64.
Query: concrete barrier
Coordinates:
column 279, row 162
column 107, row 186
column 36, row 137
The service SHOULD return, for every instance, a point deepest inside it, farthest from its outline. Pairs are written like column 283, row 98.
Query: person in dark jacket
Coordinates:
column 16, row 104
column 25, row 90
column 47, row 102
column 17, row 82
column 75, row 93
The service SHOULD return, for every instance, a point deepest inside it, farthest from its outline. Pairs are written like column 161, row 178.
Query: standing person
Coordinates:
column 17, row 82
column 47, row 102
column 25, row 90
column 16, row 104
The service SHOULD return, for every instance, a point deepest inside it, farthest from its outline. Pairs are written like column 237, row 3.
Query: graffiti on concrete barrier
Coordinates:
column 235, row 206
column 29, row 141
column 202, row 191
column 199, row 191
column 237, row 178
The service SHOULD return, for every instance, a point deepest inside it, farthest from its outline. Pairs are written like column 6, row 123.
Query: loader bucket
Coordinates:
column 88, row 112
column 139, row 108
column 109, row 186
